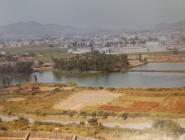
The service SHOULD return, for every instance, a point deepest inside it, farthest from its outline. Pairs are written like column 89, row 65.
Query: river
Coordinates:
column 116, row 79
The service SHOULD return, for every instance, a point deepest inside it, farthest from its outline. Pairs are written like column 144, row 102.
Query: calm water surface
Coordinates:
column 116, row 79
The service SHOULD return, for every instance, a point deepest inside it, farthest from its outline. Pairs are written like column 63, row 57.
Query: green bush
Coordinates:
column 20, row 67
column 93, row 61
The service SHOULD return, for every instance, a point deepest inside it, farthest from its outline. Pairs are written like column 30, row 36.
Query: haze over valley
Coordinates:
column 92, row 69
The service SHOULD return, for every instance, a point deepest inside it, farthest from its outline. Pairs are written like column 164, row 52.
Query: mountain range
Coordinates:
column 177, row 26
column 35, row 30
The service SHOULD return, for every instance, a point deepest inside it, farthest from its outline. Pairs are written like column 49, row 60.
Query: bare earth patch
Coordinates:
column 16, row 99
column 135, row 103
column 47, row 88
column 86, row 98
column 68, row 88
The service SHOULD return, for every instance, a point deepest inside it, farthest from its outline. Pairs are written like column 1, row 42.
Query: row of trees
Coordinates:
column 93, row 61
column 19, row 67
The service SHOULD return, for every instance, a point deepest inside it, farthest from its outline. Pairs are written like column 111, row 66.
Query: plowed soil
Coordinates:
column 149, row 100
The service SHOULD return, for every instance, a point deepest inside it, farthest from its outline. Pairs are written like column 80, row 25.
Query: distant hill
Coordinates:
column 177, row 26
column 34, row 30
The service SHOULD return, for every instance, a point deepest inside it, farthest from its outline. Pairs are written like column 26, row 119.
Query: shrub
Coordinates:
column 82, row 113
column 93, row 122
column 94, row 114
column 3, row 128
column 22, row 120
column 82, row 123
column 47, row 123
column 169, row 126
column 124, row 116
column 71, row 113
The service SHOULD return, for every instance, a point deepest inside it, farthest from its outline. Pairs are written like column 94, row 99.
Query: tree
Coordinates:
column 19, row 67
column 93, row 61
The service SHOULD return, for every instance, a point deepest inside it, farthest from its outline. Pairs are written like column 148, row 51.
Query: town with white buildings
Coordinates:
column 141, row 42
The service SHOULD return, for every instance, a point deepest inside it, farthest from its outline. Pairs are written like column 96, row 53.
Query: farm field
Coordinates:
column 151, row 100
column 86, row 98
column 30, row 97
column 125, row 113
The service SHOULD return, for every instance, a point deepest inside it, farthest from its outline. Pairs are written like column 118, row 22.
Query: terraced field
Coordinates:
column 149, row 100
column 55, row 98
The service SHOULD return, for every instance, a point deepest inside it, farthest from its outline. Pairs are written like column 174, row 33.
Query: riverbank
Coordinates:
column 164, row 71
column 166, row 57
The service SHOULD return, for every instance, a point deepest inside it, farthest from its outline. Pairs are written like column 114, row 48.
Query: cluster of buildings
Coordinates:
column 13, row 59
column 110, row 43
column 129, row 43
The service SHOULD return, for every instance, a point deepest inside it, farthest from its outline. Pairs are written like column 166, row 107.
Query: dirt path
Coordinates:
column 16, row 99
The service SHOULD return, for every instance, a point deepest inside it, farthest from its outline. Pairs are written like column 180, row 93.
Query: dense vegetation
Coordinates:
column 93, row 61
column 19, row 67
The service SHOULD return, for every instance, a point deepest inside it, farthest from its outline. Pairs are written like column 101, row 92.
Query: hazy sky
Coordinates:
column 93, row 13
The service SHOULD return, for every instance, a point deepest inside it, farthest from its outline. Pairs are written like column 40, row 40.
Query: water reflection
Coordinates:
column 116, row 79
